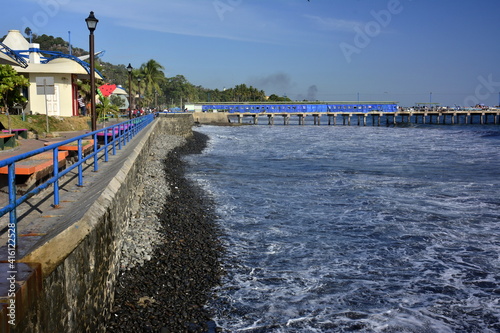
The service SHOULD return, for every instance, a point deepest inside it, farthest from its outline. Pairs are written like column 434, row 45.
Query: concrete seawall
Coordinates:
column 210, row 117
column 75, row 266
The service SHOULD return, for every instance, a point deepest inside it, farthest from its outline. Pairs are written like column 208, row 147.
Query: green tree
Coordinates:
column 118, row 101
column 153, row 76
column 138, row 88
column 116, row 74
column 179, row 91
column 11, row 84
column 276, row 98
column 105, row 107
column 84, row 89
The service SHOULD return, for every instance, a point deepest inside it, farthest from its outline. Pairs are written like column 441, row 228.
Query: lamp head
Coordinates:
column 91, row 22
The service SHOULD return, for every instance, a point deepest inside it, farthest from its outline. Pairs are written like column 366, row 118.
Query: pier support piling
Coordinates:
column 270, row 119
column 286, row 119
column 302, row 119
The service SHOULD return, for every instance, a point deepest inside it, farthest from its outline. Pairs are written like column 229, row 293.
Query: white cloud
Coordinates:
column 239, row 20
column 332, row 24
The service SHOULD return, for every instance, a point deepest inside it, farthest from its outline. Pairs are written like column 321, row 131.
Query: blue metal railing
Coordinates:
column 114, row 136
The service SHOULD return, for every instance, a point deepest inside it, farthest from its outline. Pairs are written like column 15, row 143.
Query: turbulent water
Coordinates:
column 356, row 229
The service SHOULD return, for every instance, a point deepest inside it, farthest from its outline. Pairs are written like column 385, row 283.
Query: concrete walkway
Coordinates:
column 39, row 222
column 37, row 216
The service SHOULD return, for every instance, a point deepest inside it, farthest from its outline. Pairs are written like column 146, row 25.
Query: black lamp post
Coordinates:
column 139, row 98
column 129, row 69
column 91, row 25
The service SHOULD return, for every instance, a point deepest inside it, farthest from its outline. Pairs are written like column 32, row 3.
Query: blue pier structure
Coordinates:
column 302, row 108
column 378, row 112
column 346, row 110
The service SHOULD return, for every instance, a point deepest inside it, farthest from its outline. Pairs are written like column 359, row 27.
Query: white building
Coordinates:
column 64, row 71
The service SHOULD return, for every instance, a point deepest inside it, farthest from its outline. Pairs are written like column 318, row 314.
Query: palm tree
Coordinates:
column 153, row 76
column 84, row 89
column 106, row 107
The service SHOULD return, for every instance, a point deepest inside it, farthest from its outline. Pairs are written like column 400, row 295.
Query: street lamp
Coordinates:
column 139, row 98
column 91, row 25
column 129, row 69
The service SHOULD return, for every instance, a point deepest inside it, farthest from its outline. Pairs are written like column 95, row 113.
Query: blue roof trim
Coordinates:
column 13, row 55
column 20, row 55
column 57, row 55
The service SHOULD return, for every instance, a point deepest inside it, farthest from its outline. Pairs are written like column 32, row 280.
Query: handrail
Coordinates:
column 120, row 134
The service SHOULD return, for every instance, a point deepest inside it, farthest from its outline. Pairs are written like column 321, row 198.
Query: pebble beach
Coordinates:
column 171, row 254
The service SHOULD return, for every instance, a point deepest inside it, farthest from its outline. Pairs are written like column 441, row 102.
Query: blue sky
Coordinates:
column 410, row 51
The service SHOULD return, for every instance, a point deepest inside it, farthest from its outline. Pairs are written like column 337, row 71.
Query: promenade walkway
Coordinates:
column 37, row 217
column 39, row 221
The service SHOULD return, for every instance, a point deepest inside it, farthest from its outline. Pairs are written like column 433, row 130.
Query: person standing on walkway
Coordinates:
column 83, row 108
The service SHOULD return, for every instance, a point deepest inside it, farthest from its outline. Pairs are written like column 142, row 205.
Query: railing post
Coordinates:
column 124, row 134
column 96, row 166
column 119, row 137
column 80, row 167
column 56, row 173
column 12, row 202
column 106, row 144
column 114, row 143
column 130, row 130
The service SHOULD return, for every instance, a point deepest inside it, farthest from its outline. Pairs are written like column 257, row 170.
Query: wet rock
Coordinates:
column 171, row 253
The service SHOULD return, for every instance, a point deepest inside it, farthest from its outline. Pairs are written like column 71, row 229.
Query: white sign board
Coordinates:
column 45, row 85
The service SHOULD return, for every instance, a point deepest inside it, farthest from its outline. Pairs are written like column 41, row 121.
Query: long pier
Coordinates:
column 481, row 117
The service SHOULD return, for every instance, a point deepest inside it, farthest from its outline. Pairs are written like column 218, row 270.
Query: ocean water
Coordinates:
column 356, row 229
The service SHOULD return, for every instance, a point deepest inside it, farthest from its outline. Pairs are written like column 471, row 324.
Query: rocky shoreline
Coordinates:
column 171, row 254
